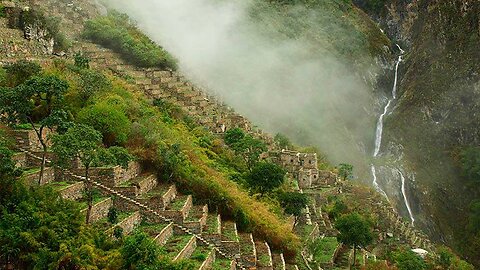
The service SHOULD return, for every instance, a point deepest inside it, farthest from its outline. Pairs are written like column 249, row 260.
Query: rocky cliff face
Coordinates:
column 438, row 110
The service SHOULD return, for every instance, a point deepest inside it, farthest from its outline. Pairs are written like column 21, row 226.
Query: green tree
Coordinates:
column 408, row 260
column 81, row 61
column 245, row 145
column 293, row 203
column 354, row 230
column 470, row 164
column 19, row 72
column 234, row 136
column 283, row 141
column 345, row 171
column 84, row 143
column 139, row 252
column 265, row 177
column 39, row 102
column 108, row 119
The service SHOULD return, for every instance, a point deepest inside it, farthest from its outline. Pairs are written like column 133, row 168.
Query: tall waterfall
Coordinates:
column 379, row 134
column 405, row 199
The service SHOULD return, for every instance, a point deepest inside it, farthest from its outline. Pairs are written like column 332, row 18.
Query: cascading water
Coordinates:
column 375, row 183
column 404, row 193
column 378, row 140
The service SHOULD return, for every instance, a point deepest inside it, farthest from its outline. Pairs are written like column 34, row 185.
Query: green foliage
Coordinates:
column 20, row 71
column 118, row 232
column 91, row 82
column 80, row 141
column 2, row 11
column 234, row 136
column 118, row 33
column 470, row 164
column 293, row 202
column 408, row 260
column 283, row 141
column 140, row 252
column 112, row 215
column 374, row 6
column 345, row 171
column 34, row 100
column 246, row 146
column 120, row 155
column 36, row 18
column 354, row 231
column 81, row 61
column 265, row 177
column 109, row 120
column 3, row 77
column 337, row 209
column 323, row 249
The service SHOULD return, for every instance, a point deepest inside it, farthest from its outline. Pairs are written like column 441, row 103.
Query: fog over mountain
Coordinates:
column 294, row 86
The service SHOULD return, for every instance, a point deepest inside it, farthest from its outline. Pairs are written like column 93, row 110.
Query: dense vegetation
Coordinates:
column 117, row 32
column 40, row 230
column 162, row 136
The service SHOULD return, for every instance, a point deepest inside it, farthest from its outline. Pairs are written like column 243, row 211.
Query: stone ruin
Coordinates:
column 304, row 168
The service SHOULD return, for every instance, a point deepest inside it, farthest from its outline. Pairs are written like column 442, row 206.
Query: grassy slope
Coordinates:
column 153, row 132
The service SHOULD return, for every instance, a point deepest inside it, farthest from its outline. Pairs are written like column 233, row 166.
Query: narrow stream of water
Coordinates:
column 378, row 140
column 404, row 194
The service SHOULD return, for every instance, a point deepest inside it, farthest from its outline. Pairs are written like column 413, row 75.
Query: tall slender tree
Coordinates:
column 39, row 102
column 354, row 231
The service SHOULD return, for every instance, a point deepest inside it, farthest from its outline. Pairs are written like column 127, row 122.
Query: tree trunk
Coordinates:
column 354, row 255
column 44, row 147
column 88, row 185
column 295, row 223
column 42, row 166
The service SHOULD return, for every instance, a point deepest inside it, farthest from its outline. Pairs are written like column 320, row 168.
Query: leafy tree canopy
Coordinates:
column 354, row 230
column 265, row 177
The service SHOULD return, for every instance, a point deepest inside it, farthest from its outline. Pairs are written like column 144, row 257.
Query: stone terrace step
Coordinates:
column 179, row 208
column 180, row 246
column 202, row 257
column 278, row 261
column 264, row 255
column 138, row 186
column 247, row 250
column 128, row 224
column 197, row 218
column 99, row 209
column 160, row 196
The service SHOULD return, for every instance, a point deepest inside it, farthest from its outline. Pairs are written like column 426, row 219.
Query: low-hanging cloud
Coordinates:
column 283, row 85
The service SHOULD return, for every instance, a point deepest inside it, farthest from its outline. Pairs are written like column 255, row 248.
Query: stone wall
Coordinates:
column 128, row 224
column 31, row 162
column 20, row 160
column 48, row 177
column 162, row 238
column 187, row 250
column 73, row 192
column 99, row 210
column 207, row 264
column 28, row 139
column 111, row 176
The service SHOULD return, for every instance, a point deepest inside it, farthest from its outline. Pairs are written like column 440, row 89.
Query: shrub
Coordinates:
column 265, row 177
column 112, row 215
column 20, row 71
column 108, row 120
column 91, row 83
column 407, row 260
column 118, row 33
column 81, row 61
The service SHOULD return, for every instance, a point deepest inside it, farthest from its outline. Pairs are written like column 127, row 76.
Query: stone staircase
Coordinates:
column 185, row 230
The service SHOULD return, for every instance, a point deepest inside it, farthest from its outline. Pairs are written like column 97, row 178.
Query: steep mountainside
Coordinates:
column 437, row 113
